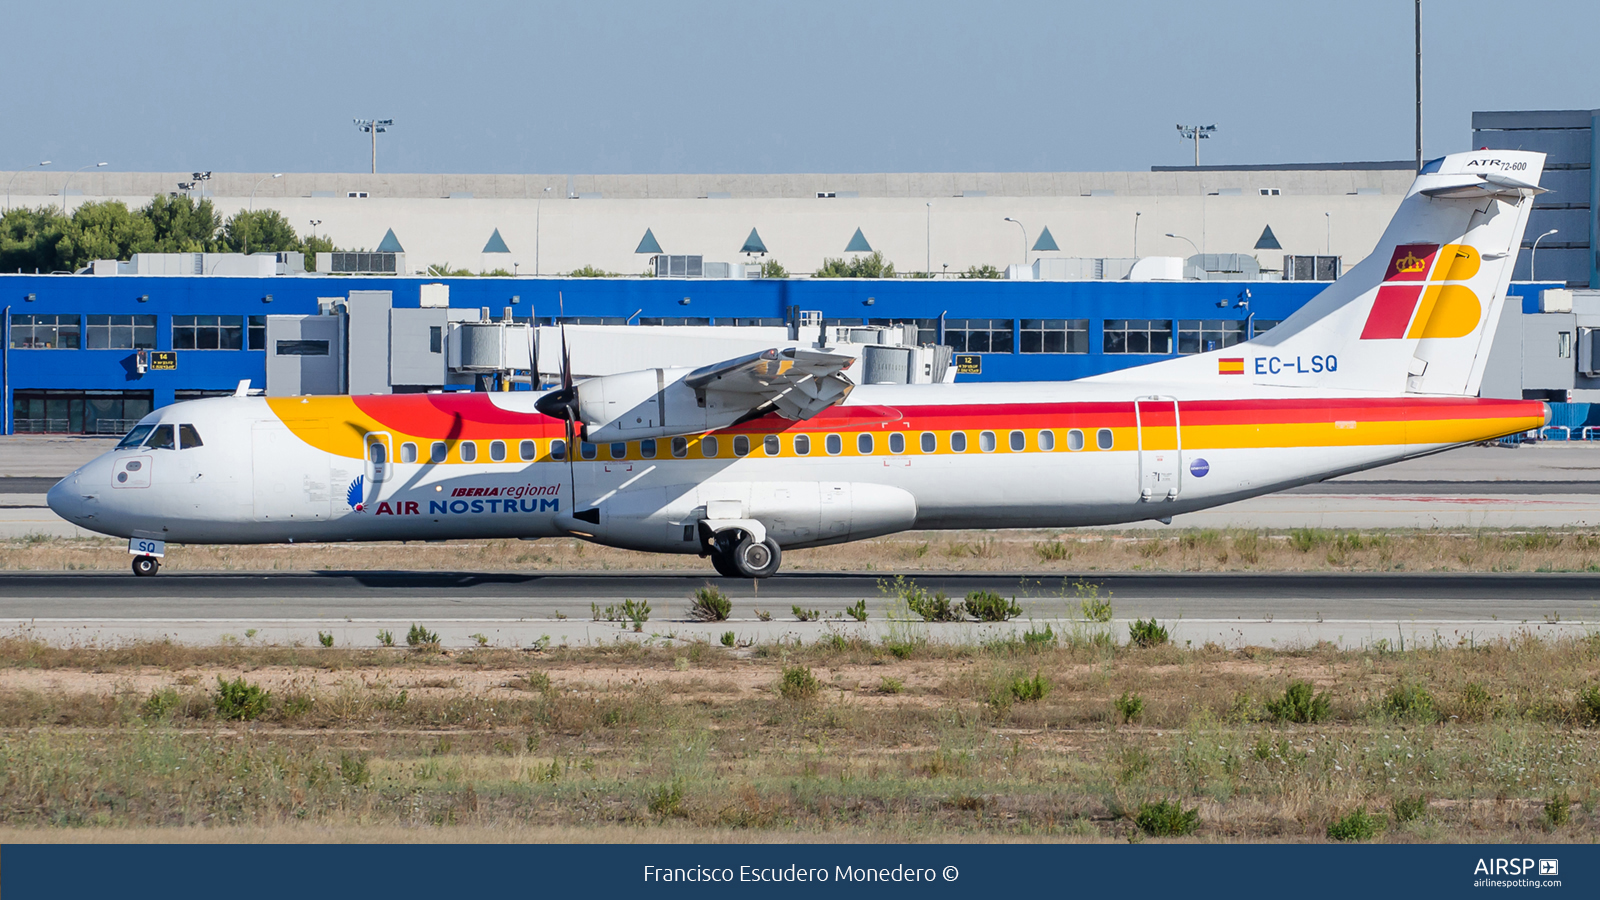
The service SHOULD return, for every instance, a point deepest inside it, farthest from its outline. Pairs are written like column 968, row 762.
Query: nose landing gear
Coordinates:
column 146, row 565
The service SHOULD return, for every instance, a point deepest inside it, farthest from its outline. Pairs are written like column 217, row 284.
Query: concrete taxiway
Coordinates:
column 514, row 609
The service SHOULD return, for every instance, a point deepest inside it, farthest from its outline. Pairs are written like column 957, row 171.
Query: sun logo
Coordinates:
column 1410, row 263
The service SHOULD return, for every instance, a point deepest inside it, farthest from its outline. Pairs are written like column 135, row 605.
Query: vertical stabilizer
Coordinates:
column 1418, row 315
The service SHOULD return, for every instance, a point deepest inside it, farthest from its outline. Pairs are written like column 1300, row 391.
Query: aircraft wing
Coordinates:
column 796, row 382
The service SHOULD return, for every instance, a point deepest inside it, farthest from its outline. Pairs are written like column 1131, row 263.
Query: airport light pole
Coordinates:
column 68, row 180
column 1198, row 133
column 1328, row 216
column 1533, row 258
column 1136, row 216
column 14, row 175
column 1182, row 238
column 248, row 224
column 538, row 212
column 927, row 265
column 1024, row 238
column 374, row 127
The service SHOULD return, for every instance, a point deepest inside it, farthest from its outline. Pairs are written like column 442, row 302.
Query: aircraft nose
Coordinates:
column 65, row 498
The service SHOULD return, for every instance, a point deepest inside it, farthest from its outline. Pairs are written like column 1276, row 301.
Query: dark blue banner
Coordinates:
column 801, row 870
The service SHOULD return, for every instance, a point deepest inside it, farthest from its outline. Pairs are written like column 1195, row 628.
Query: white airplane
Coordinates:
column 741, row 459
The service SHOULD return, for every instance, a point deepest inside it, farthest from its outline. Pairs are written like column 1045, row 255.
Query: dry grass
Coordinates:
column 695, row 742
column 1199, row 550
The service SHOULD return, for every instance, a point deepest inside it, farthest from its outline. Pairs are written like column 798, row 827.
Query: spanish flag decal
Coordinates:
column 1230, row 366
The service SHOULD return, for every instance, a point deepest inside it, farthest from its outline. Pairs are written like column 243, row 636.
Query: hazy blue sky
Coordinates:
column 819, row 86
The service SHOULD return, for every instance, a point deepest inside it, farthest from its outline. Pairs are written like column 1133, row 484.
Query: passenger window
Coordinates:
column 741, row 445
column 1047, row 440
column 1019, row 441
column 1102, row 439
column 528, row 451
column 619, row 450
column 1074, row 440
column 135, row 437
column 930, row 442
column 708, row 447
column 558, row 450
column 802, row 445
column 770, row 444
column 160, row 439
column 864, row 444
column 468, row 451
column 897, row 443
column 497, row 451
column 188, row 437
column 647, row 448
column 680, row 447
column 436, row 452
column 378, row 453
column 408, row 452
column 986, row 441
column 833, row 444
column 588, row 450
column 958, row 441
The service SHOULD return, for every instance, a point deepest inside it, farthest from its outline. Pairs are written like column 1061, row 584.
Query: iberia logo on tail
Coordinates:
column 1409, row 307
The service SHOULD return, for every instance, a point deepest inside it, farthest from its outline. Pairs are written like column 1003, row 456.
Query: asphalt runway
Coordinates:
column 520, row 596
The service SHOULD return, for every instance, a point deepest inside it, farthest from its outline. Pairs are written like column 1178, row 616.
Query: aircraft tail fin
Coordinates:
column 1417, row 316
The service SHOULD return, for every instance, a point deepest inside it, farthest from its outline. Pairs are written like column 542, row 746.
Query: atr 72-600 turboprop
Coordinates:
column 741, row 459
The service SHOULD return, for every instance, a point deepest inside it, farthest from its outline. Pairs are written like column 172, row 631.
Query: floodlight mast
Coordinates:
column 1196, row 133
column 374, row 127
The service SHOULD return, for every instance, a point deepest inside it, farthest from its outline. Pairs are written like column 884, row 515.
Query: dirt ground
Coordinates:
column 1075, row 736
column 1196, row 550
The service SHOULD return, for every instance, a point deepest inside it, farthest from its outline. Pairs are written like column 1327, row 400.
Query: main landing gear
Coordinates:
column 735, row 554
column 146, row 565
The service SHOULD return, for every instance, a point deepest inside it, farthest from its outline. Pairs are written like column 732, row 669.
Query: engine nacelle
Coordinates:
column 651, row 403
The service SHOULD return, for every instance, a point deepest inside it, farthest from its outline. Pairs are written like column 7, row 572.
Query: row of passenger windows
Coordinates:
column 771, row 445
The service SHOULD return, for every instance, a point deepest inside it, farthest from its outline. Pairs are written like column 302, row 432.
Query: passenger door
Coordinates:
column 1160, row 444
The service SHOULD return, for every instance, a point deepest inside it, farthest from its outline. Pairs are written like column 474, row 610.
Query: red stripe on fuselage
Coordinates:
column 473, row 416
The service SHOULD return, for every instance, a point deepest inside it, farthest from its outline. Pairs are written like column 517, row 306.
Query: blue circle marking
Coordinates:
column 1199, row 468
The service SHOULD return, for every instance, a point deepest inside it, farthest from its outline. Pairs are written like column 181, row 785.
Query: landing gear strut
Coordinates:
column 146, row 565
column 738, row 555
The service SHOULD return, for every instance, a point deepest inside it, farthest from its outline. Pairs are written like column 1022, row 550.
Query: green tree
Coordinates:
column 259, row 232
column 103, row 230
column 983, row 271
column 771, row 268
column 316, row 243
column 28, row 239
column 870, row 266
column 182, row 225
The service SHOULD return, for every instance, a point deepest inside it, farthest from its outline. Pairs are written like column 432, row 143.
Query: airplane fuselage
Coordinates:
column 442, row 466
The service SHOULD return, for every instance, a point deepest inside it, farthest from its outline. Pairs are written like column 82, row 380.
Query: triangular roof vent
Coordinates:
column 648, row 243
column 390, row 244
column 496, row 244
column 1045, row 241
column 858, row 244
column 752, row 244
column 1268, row 240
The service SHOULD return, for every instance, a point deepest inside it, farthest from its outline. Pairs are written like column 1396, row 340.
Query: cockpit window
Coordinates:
column 189, row 437
column 135, row 437
column 160, row 439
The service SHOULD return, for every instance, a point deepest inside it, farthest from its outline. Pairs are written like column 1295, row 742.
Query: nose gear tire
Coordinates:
column 146, row 565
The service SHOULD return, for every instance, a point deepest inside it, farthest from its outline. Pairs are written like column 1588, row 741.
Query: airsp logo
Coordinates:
column 1549, row 867
column 1502, row 866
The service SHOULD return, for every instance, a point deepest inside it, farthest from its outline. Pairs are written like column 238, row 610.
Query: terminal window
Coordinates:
column 121, row 333
column 1138, row 336
column 36, row 332
column 1205, row 335
column 257, row 332
column 979, row 335
column 207, row 332
column 1055, row 335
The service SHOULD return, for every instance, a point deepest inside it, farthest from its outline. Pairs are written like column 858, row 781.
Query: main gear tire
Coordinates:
column 724, row 565
column 757, row 559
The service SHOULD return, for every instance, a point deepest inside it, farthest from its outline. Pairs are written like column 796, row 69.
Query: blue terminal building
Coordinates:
column 72, row 343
